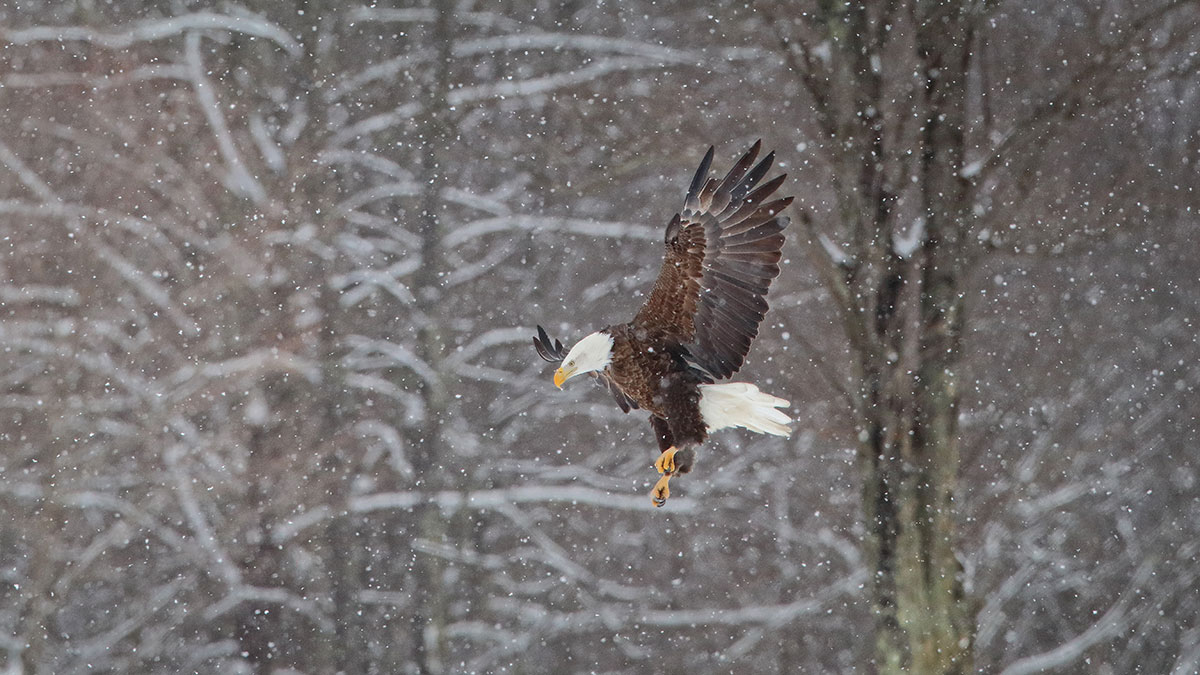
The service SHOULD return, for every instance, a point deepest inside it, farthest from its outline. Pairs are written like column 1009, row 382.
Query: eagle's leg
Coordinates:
column 665, row 464
column 672, row 461
column 676, row 441
column 666, row 445
column 662, row 433
column 661, row 491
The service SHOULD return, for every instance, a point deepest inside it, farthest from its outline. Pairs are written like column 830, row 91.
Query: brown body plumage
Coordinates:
column 722, row 252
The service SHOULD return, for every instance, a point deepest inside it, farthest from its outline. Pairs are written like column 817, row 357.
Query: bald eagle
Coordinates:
column 722, row 252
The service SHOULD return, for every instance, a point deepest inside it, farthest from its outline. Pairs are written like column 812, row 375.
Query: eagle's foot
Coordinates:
column 660, row 492
column 666, row 463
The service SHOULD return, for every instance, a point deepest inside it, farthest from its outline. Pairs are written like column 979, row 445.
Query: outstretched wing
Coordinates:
column 722, row 251
column 554, row 352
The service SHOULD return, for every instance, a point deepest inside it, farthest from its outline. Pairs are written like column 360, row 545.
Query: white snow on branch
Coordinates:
column 407, row 187
column 374, row 123
column 653, row 55
column 394, row 190
column 721, row 616
column 481, row 500
column 972, row 170
column 484, row 373
column 536, row 224
column 205, row 536
column 269, row 595
column 238, row 178
column 907, row 243
column 551, row 553
column 1113, row 622
column 368, row 354
column 561, row 42
column 370, row 160
column 773, row 615
column 158, row 29
column 140, row 614
column 1188, row 660
column 835, row 252
column 824, row 52
column 386, row 69
column 26, row 175
column 75, row 215
column 475, row 201
column 492, row 338
column 465, row 272
column 147, row 287
column 364, row 281
column 285, row 531
column 255, row 365
column 547, row 83
column 30, row 293
column 391, row 440
column 267, row 147
column 505, row 89
column 389, row 15
column 144, row 520
column 490, row 500
column 446, row 551
column 367, row 249
column 97, row 81
column 414, row 405
column 290, row 133
column 459, row 361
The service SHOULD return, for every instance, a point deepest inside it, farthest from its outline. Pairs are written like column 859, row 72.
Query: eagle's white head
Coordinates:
column 590, row 354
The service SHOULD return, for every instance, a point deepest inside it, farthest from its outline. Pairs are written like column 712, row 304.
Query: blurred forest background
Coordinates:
column 269, row 274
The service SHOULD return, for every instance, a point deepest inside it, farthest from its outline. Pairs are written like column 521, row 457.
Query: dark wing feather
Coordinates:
column 722, row 252
column 619, row 396
column 554, row 352
column 549, row 351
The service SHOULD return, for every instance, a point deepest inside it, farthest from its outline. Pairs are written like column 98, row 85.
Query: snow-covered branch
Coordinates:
column 271, row 595
column 158, row 29
column 255, row 365
column 538, row 224
column 98, row 81
column 1111, row 623
column 414, row 405
column 26, row 175
column 206, row 537
column 488, row 339
column 505, row 89
column 146, row 286
column 368, row 354
column 487, row 500
column 480, row 500
column 366, row 14
column 238, row 178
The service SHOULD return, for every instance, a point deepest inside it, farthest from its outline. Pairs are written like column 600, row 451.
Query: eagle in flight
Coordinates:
column 722, row 252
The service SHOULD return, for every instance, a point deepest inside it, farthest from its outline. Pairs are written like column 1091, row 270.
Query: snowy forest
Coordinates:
column 269, row 273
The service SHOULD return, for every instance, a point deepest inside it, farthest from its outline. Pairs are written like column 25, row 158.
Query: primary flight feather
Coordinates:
column 722, row 252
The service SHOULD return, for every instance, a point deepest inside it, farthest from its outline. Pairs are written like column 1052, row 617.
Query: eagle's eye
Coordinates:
column 571, row 363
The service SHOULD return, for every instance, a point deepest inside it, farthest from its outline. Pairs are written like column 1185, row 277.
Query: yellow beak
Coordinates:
column 560, row 376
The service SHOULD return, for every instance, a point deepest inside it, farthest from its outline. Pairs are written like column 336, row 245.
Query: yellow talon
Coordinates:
column 660, row 492
column 666, row 461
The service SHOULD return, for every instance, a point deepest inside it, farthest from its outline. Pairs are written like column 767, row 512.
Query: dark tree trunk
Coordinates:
column 430, row 617
column 910, row 458
column 901, row 307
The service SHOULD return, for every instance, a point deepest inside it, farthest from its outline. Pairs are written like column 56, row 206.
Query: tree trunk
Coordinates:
column 911, row 455
column 430, row 617
column 901, row 307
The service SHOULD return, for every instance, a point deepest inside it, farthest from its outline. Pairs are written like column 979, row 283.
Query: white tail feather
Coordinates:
column 741, row 404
